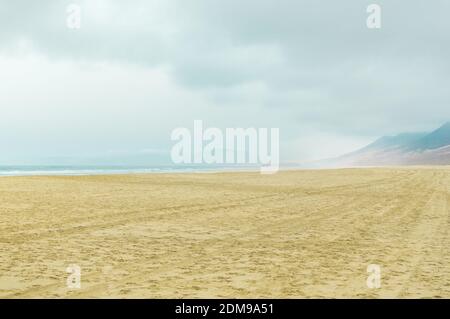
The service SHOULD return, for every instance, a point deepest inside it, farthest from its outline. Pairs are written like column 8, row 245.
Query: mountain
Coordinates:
column 403, row 140
column 403, row 149
column 438, row 138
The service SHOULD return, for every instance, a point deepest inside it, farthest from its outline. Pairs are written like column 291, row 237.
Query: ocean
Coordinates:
column 42, row 170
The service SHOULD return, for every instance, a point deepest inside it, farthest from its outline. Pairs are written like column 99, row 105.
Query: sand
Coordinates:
column 295, row 234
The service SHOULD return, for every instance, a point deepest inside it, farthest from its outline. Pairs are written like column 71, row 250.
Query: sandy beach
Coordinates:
column 295, row 234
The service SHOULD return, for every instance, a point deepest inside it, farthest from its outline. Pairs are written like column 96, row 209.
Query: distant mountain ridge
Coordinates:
column 421, row 148
column 436, row 139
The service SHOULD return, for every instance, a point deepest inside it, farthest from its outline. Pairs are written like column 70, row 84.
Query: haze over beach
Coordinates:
column 413, row 148
column 230, row 149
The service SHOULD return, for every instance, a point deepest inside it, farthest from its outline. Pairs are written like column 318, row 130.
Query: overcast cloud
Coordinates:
column 138, row 69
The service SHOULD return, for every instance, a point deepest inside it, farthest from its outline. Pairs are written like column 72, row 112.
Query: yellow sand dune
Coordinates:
column 294, row 234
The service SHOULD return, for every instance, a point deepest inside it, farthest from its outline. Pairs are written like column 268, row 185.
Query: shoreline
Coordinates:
column 151, row 171
column 131, row 171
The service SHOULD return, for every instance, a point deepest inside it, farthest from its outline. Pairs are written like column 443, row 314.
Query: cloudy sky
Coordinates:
column 136, row 70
